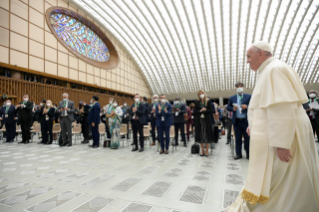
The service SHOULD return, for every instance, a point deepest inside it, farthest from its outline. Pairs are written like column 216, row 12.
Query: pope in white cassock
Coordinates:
column 283, row 173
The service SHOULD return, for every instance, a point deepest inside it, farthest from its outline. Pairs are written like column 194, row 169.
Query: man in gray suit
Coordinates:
column 66, row 110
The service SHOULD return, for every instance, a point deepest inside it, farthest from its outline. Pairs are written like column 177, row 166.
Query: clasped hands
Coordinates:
column 160, row 109
column 283, row 154
column 203, row 110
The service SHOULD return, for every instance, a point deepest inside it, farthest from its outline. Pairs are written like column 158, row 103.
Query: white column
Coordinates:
column 221, row 101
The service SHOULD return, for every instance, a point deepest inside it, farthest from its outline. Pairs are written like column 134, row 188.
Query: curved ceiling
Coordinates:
column 182, row 46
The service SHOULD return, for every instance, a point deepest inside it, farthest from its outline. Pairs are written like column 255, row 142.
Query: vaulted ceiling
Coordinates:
column 182, row 46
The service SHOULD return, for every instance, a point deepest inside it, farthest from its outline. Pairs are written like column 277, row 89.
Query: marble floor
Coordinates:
column 39, row 178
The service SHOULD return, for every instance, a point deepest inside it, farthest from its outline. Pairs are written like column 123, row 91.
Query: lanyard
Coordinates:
column 7, row 109
column 203, row 105
column 137, row 104
column 92, row 106
column 177, row 106
column 65, row 103
column 163, row 106
column 313, row 101
column 109, row 109
column 23, row 103
column 240, row 97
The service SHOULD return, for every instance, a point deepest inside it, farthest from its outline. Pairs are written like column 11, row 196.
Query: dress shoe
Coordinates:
column 202, row 155
column 185, row 145
column 141, row 150
column 11, row 141
column 41, row 142
column 247, row 157
column 162, row 151
column 21, row 142
column 228, row 142
column 69, row 145
column 95, row 146
column 90, row 145
column 132, row 144
column 237, row 157
column 166, row 152
column 135, row 149
column 153, row 144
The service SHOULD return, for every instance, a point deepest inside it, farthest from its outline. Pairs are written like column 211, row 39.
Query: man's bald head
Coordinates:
column 256, row 56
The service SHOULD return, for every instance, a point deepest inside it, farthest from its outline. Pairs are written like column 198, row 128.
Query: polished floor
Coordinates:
column 50, row 178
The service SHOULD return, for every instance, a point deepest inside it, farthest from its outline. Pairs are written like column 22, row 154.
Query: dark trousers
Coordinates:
column 229, row 126
column 66, row 127
column 315, row 127
column 25, row 128
column 163, row 129
column 11, row 131
column 43, row 132
column 240, row 128
column 187, row 129
column 85, row 129
column 95, row 135
column 223, row 121
column 107, row 130
column 153, row 125
column 47, row 127
column 180, row 126
column 137, row 127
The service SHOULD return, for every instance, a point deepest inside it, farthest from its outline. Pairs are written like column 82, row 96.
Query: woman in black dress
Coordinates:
column 49, row 116
column 203, row 122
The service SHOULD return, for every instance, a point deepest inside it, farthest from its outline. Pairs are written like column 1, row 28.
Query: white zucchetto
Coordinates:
column 263, row 45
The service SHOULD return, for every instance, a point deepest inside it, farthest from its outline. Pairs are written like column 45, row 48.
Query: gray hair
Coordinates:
column 239, row 83
column 155, row 96
column 313, row 90
column 65, row 94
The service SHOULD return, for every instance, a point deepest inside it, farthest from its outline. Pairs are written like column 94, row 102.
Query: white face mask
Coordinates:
column 41, row 104
column 91, row 101
column 155, row 100
column 48, row 104
column 137, row 99
column 124, row 104
column 163, row 100
column 25, row 99
column 114, row 104
column 240, row 90
column 176, row 102
column 202, row 96
column 312, row 95
column 110, row 102
column 8, row 103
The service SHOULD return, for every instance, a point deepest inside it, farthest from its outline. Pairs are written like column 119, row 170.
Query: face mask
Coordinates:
column 163, row 100
column 8, row 104
column 202, row 96
column 65, row 99
column 91, row 101
column 137, row 100
column 155, row 100
column 115, row 104
column 110, row 102
column 312, row 95
column 25, row 99
column 125, row 104
column 176, row 102
column 48, row 104
column 41, row 104
column 240, row 90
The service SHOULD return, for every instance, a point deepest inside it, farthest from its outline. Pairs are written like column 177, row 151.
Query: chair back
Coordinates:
column 101, row 128
column 3, row 128
column 146, row 131
column 76, row 128
column 172, row 132
column 56, row 128
column 123, row 129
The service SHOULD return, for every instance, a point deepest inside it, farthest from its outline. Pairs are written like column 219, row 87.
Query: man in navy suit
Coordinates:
column 94, row 120
column 8, row 116
column 179, row 109
column 163, row 122
column 147, row 110
column 138, row 120
column 238, row 104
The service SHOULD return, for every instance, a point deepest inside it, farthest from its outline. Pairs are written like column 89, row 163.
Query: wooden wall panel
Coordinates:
column 15, row 89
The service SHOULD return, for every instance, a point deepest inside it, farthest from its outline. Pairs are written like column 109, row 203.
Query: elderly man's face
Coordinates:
column 253, row 58
column 65, row 96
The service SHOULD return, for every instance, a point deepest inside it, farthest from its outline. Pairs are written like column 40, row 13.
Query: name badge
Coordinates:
column 6, row 115
column 176, row 113
column 154, row 115
column 163, row 119
column 134, row 117
column 47, row 118
column 124, row 115
column 192, row 117
column 202, row 116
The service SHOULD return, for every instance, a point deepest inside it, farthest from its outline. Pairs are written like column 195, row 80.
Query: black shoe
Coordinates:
column 228, row 142
column 11, row 141
column 41, row 142
column 69, row 145
column 22, row 142
column 90, row 145
column 141, row 150
column 237, row 157
column 132, row 144
column 95, row 146
column 202, row 155
column 185, row 145
column 247, row 157
column 135, row 149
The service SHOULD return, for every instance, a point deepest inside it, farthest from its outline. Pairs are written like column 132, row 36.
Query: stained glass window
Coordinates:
column 80, row 37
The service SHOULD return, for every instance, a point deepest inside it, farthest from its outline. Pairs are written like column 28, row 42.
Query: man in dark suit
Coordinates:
column 164, row 122
column 238, row 104
column 41, row 118
column 94, row 120
column 147, row 110
column 179, row 109
column 25, row 115
column 152, row 116
column 313, row 113
column 138, row 120
column 66, row 109
column 8, row 116
column 126, row 117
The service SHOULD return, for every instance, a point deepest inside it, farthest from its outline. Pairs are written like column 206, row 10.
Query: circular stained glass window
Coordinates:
column 79, row 37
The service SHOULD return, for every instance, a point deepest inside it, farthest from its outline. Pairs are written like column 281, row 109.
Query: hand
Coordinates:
column 21, row 105
column 159, row 108
column 17, row 106
column 15, row 118
column 244, row 107
column 83, row 103
column 284, row 154
column 134, row 109
column 177, row 109
column 153, row 110
column 165, row 110
column 67, row 109
column 93, row 124
column 203, row 109
column 61, row 109
column 1, row 119
column 234, row 108
column 248, row 131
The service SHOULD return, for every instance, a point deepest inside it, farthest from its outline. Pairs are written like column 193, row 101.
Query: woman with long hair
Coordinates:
column 115, row 120
column 203, row 122
column 49, row 116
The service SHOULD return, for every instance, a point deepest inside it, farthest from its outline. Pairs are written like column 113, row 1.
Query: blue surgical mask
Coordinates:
column 65, row 99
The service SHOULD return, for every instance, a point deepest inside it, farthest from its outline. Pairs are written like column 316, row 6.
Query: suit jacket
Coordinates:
column 85, row 115
column 244, row 101
column 147, row 111
column 167, row 116
column 25, row 113
column 51, row 114
column 39, row 112
column 140, row 112
column 306, row 106
column 213, row 112
column 151, row 115
column 94, row 114
column 11, row 115
column 70, row 112
column 126, row 114
column 180, row 117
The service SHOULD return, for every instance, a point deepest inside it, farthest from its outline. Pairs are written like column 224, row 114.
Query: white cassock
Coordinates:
column 277, row 119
